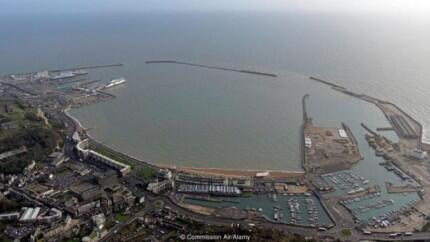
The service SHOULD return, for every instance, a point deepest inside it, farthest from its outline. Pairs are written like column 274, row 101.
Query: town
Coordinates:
column 84, row 190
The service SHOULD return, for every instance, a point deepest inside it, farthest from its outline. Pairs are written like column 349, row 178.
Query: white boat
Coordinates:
column 116, row 82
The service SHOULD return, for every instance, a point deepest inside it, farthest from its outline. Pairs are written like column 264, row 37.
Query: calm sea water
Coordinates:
column 195, row 117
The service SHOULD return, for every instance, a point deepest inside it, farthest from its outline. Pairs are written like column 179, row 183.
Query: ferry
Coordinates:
column 116, row 82
column 61, row 75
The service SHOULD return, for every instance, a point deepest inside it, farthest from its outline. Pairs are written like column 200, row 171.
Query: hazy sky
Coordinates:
column 407, row 7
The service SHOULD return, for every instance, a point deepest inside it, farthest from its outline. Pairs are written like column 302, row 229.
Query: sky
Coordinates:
column 394, row 7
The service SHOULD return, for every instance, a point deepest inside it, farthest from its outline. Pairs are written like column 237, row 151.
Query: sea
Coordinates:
column 189, row 116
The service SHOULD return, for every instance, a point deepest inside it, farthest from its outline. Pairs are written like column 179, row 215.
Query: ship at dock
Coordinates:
column 116, row 82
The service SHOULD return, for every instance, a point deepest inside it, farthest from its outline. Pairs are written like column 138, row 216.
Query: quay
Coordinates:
column 211, row 67
column 71, row 69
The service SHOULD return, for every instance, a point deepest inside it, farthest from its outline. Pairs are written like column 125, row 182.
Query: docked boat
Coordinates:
column 116, row 82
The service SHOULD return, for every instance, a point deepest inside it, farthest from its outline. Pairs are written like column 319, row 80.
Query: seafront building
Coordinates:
column 93, row 156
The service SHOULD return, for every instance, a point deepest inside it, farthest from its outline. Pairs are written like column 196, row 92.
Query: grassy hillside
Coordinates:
column 24, row 126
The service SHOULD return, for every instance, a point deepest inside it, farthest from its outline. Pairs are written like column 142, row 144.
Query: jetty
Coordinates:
column 211, row 67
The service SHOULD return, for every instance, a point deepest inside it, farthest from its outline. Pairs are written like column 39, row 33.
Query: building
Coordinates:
column 91, row 155
column 29, row 214
column 80, row 208
column 56, row 158
column 86, row 191
column 76, row 138
column 122, row 199
column 159, row 187
column 50, row 216
column 106, row 179
column 39, row 190
column 79, row 168
column 164, row 174
column 42, row 75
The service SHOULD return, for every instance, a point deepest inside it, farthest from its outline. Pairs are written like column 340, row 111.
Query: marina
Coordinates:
column 289, row 209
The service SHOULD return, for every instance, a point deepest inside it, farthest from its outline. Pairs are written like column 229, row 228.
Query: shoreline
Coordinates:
column 238, row 172
column 216, row 171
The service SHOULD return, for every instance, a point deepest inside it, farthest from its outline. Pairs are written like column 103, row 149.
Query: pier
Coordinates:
column 211, row 67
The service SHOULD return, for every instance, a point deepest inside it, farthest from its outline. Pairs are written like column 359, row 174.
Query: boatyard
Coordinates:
column 289, row 209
